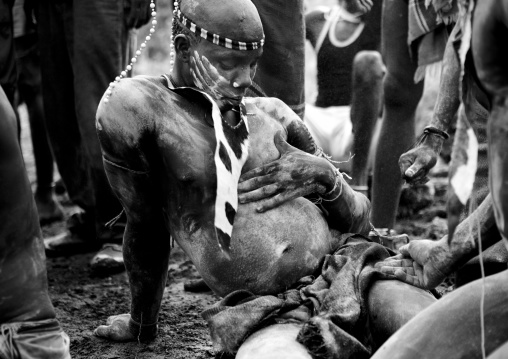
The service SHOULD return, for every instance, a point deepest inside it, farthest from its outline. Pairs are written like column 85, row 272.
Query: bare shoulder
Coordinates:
column 133, row 99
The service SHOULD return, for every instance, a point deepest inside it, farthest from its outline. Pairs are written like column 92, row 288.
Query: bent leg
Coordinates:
column 392, row 304
column 455, row 319
column 277, row 341
column 366, row 97
column 401, row 96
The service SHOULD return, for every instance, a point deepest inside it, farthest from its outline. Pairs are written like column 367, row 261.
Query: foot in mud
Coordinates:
column 48, row 207
column 109, row 260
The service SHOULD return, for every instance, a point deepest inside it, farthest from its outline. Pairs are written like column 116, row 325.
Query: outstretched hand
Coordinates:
column 294, row 174
column 119, row 328
column 420, row 263
column 416, row 163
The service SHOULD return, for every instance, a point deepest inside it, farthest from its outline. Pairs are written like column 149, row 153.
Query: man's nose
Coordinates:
column 243, row 78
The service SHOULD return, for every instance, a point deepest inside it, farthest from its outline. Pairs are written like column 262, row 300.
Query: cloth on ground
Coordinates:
column 332, row 306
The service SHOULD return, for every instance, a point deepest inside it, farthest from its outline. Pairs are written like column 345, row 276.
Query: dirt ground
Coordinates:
column 84, row 301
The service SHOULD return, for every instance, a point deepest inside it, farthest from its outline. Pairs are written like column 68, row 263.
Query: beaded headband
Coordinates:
column 217, row 39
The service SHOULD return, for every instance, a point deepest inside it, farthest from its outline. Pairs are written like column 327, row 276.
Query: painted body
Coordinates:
column 269, row 251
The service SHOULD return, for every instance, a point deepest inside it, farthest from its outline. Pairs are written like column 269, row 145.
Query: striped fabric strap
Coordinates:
column 217, row 39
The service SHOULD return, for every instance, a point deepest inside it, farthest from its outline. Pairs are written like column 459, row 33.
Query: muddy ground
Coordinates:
column 84, row 301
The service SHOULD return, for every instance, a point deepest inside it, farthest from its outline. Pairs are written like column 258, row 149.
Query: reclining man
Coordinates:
column 174, row 148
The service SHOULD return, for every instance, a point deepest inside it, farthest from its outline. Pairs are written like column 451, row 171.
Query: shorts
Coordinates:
column 332, row 129
column 42, row 339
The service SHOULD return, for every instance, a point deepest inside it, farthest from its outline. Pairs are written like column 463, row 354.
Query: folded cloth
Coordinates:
column 332, row 306
column 427, row 31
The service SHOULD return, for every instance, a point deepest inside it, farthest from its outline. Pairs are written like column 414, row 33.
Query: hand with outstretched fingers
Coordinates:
column 120, row 328
column 416, row 163
column 294, row 174
column 421, row 263
column 138, row 12
column 208, row 79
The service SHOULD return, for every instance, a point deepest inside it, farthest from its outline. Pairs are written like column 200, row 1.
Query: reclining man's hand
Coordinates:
column 120, row 328
column 416, row 163
column 295, row 174
column 420, row 263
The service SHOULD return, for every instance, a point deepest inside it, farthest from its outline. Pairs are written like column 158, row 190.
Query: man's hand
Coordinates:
column 420, row 263
column 137, row 13
column 294, row 174
column 208, row 79
column 416, row 163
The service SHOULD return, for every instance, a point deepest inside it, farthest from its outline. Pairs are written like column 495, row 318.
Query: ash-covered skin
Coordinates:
column 23, row 282
column 268, row 251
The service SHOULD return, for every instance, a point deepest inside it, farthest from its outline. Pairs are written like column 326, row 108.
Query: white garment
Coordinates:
column 332, row 129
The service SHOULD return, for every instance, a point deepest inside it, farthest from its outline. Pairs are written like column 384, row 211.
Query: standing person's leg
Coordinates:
column 55, row 43
column 281, row 70
column 29, row 86
column 101, row 47
column 365, row 103
column 7, row 58
column 401, row 96
column 28, row 327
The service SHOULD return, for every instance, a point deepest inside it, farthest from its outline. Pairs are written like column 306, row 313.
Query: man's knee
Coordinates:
column 368, row 67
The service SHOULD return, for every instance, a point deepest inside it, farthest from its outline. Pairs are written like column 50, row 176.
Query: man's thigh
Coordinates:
column 451, row 327
column 392, row 304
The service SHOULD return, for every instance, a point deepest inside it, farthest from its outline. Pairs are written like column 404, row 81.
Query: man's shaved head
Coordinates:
column 235, row 19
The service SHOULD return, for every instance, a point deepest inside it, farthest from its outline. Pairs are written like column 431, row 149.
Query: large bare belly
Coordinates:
column 269, row 251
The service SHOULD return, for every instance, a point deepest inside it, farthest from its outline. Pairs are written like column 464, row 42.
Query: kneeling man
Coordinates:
column 174, row 148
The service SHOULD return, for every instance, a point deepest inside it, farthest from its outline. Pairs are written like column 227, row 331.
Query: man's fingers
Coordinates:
column 279, row 199
column 211, row 70
column 197, row 82
column 258, row 194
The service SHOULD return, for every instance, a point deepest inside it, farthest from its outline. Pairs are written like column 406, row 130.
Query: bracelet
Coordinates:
column 143, row 325
column 435, row 131
column 338, row 177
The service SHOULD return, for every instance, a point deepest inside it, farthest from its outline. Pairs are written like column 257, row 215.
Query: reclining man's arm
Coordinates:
column 299, row 172
column 146, row 245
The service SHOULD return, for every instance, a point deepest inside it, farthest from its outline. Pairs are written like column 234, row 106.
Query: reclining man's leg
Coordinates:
column 455, row 319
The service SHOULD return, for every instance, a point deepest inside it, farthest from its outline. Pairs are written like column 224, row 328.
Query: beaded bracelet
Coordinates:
column 436, row 131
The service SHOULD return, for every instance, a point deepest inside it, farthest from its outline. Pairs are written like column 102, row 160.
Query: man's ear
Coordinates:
column 182, row 47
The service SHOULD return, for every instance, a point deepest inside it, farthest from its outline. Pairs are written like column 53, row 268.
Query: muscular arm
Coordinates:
column 416, row 163
column 298, row 174
column 125, row 139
